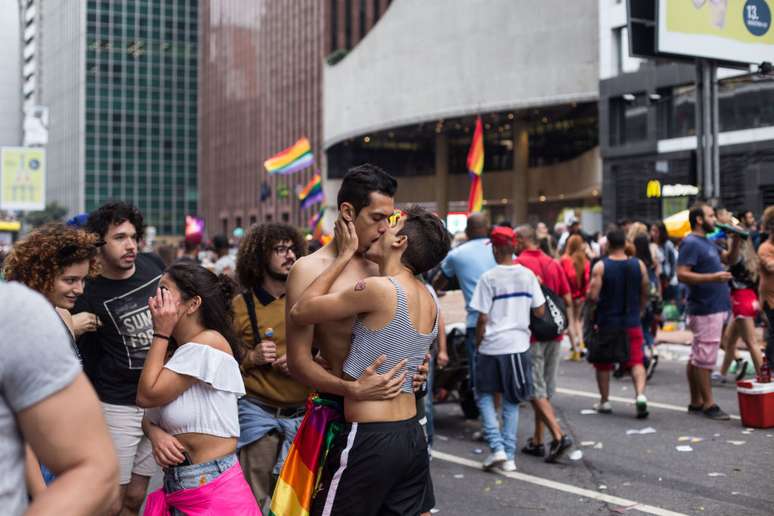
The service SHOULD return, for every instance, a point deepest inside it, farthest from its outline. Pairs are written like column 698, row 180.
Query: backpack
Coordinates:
column 554, row 321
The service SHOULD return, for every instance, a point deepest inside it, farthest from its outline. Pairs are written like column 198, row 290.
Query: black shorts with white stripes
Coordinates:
column 375, row 469
column 509, row 374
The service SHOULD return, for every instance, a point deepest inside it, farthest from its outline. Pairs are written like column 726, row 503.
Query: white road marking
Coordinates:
column 595, row 395
column 559, row 486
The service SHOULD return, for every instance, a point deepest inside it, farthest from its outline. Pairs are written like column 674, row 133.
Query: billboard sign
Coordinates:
column 22, row 178
column 725, row 30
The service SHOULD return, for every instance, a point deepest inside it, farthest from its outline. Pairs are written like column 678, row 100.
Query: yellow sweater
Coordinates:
column 264, row 382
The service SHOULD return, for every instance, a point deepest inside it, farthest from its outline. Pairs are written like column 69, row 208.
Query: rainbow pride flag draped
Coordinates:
column 301, row 472
column 295, row 158
column 312, row 192
column 475, row 168
column 316, row 225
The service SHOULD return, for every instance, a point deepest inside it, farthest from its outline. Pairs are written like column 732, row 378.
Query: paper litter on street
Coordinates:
column 587, row 412
column 736, row 443
column 646, row 430
column 716, row 474
column 587, row 443
column 683, row 448
column 576, row 455
column 598, row 446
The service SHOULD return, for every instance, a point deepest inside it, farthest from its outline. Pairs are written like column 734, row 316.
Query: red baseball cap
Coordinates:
column 502, row 235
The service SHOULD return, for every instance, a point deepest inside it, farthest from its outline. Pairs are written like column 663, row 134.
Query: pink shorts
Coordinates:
column 636, row 355
column 744, row 303
column 707, row 331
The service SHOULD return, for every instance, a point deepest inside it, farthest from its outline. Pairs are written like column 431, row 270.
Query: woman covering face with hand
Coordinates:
column 190, row 383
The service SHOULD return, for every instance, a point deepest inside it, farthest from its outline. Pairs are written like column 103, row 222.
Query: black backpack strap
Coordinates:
column 248, row 297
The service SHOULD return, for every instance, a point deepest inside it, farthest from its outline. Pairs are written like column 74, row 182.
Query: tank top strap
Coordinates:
column 401, row 309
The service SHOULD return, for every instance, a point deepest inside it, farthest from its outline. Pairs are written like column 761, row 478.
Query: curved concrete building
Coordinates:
column 407, row 95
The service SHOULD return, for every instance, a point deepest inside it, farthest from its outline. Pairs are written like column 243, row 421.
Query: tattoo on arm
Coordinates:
column 360, row 285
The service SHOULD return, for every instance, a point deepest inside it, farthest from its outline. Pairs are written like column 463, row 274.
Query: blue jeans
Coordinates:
column 429, row 403
column 470, row 347
column 178, row 478
column 255, row 423
column 504, row 440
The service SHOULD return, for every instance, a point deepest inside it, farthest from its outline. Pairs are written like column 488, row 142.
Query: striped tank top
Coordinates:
column 397, row 340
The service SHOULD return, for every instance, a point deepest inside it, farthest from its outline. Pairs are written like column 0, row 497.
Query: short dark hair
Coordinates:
column 616, row 239
column 360, row 181
column 253, row 255
column 219, row 242
column 113, row 213
column 697, row 210
column 428, row 240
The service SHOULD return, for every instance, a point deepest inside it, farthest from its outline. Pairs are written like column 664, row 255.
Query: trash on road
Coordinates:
column 587, row 443
column 459, row 475
column 716, row 474
column 576, row 455
column 602, row 487
column 588, row 412
column 441, row 437
column 598, row 446
column 646, row 430
column 683, row 448
column 624, row 508
column 683, row 438
column 478, row 451
column 737, row 443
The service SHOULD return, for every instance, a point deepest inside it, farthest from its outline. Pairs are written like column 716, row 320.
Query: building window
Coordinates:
column 334, row 25
column 617, row 51
column 677, row 112
column 348, row 24
column 628, row 119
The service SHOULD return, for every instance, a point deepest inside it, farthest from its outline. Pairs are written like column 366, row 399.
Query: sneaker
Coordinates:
column 558, row 448
column 494, row 459
column 695, row 409
column 715, row 413
column 536, row 450
column 642, row 406
column 603, row 408
column 741, row 370
column 508, row 465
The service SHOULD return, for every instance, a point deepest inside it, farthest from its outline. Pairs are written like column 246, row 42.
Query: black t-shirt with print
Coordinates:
column 114, row 355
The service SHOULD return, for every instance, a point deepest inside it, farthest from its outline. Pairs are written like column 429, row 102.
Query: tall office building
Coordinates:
column 10, row 90
column 261, row 90
column 119, row 79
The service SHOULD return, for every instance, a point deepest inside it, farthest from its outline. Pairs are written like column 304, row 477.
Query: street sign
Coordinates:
column 721, row 30
column 22, row 178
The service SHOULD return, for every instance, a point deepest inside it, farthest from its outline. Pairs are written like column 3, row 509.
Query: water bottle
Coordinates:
column 765, row 375
column 268, row 334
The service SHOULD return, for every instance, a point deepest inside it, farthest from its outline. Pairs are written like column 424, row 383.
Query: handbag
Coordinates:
column 606, row 345
column 554, row 321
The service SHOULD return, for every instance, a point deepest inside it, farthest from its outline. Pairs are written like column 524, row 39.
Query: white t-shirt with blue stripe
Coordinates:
column 506, row 294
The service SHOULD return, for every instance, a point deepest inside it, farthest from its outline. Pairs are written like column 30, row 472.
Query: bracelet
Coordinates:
column 160, row 336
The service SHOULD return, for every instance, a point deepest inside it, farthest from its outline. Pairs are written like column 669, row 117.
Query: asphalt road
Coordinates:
column 644, row 473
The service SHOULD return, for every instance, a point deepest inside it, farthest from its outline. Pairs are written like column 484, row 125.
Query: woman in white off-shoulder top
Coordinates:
column 190, row 385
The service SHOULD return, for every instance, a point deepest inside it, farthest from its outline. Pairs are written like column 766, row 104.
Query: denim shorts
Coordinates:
column 196, row 475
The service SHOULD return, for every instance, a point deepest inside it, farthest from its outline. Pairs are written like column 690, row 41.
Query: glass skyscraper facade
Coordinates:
column 141, row 83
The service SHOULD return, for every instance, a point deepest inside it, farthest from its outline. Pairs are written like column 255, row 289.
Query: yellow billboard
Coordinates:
column 727, row 30
column 22, row 178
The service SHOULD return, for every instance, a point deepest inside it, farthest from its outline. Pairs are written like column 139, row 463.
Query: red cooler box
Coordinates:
column 756, row 403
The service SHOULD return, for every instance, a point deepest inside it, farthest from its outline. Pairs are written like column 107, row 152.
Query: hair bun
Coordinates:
column 227, row 286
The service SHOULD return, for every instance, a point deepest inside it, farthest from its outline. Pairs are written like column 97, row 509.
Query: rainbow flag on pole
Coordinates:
column 301, row 472
column 475, row 168
column 316, row 225
column 295, row 158
column 312, row 192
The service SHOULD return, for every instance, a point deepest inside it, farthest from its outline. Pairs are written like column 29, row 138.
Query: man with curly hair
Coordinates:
column 270, row 413
column 114, row 355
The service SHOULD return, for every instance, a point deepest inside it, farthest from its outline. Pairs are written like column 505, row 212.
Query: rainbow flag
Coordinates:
column 316, row 225
column 292, row 159
column 475, row 168
column 300, row 474
column 312, row 192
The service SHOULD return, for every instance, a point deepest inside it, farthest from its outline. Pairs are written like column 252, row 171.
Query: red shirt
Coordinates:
column 546, row 269
column 578, row 288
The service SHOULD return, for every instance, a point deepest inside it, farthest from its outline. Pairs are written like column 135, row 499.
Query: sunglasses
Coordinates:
column 393, row 219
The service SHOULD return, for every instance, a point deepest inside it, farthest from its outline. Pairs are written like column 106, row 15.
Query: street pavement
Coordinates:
column 727, row 471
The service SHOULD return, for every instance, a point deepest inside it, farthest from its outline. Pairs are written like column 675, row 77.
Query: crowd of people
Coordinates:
column 277, row 380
